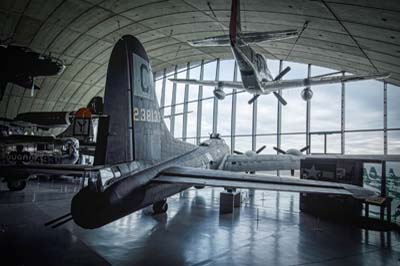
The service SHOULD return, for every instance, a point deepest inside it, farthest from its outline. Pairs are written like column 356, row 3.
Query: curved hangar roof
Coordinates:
column 356, row 36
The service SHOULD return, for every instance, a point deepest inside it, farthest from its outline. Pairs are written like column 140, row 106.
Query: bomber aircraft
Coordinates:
column 138, row 163
column 19, row 65
column 256, row 77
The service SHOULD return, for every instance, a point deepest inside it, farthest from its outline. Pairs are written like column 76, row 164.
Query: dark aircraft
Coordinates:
column 19, row 65
column 256, row 77
column 138, row 163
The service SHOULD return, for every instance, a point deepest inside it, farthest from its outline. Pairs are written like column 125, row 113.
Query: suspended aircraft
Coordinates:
column 20, row 65
column 138, row 163
column 256, row 77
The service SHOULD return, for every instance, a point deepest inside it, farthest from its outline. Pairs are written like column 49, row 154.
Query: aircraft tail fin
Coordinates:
column 136, row 130
column 235, row 27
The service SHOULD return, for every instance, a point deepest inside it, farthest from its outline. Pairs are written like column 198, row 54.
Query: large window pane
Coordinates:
column 269, row 141
column 243, row 144
column 158, row 87
column 294, row 113
column 224, row 115
column 244, row 114
column 207, row 117
column 194, row 89
column 364, row 143
column 293, row 141
column 393, row 104
column 209, row 74
column 394, row 142
column 332, row 143
column 325, row 104
column 267, row 109
column 192, row 119
column 364, row 104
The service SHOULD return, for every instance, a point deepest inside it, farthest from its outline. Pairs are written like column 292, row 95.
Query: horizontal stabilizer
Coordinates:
column 249, row 37
column 211, row 83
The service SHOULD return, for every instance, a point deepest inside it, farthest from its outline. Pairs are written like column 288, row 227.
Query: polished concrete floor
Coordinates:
column 267, row 230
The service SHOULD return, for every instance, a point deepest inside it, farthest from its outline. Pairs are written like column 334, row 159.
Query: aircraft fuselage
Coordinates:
column 132, row 189
column 253, row 67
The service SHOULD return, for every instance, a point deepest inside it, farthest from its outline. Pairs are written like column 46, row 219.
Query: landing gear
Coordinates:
column 16, row 185
column 160, row 207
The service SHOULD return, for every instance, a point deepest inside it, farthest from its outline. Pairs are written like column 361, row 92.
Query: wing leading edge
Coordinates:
column 217, row 178
column 211, row 83
column 294, row 83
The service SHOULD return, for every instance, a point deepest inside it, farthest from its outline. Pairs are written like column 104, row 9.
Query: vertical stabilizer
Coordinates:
column 234, row 25
column 137, row 131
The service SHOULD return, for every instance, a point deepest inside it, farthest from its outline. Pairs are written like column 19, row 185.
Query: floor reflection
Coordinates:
column 267, row 229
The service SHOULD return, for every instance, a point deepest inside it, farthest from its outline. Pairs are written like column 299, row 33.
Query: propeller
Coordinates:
column 305, row 148
column 250, row 152
column 279, row 97
column 254, row 98
column 282, row 73
column 261, row 149
column 279, row 150
column 292, row 151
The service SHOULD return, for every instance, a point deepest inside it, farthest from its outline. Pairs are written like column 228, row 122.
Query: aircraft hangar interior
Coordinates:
column 184, row 132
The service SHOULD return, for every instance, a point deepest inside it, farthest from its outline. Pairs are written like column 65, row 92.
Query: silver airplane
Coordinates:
column 138, row 163
column 256, row 77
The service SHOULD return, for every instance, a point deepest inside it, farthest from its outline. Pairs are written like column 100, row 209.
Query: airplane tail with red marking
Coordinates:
column 235, row 33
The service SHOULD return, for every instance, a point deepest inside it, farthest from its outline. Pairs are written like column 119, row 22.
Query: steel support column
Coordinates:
column 215, row 109
column 185, row 104
column 343, row 117
column 173, row 103
column 233, row 114
column 308, row 114
column 385, row 124
column 254, row 127
column 199, row 105
column 279, row 117
column 163, row 92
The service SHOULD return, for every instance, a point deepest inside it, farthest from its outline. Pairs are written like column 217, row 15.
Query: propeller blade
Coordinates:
column 280, row 98
column 253, row 99
column 279, row 150
column 260, row 149
column 238, row 152
column 305, row 148
column 283, row 72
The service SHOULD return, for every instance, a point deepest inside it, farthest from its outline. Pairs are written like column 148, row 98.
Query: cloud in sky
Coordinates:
column 364, row 110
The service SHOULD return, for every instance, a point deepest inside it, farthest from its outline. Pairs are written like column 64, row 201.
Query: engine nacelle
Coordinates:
column 219, row 93
column 306, row 94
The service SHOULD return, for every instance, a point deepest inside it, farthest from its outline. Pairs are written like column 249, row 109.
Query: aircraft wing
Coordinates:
column 259, row 162
column 211, row 83
column 217, row 178
column 46, row 169
column 366, row 158
column 295, row 83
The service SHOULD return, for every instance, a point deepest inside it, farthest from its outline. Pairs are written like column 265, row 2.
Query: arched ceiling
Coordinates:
column 356, row 36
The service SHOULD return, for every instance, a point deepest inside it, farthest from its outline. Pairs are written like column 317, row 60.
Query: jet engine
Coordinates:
column 219, row 93
column 306, row 94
